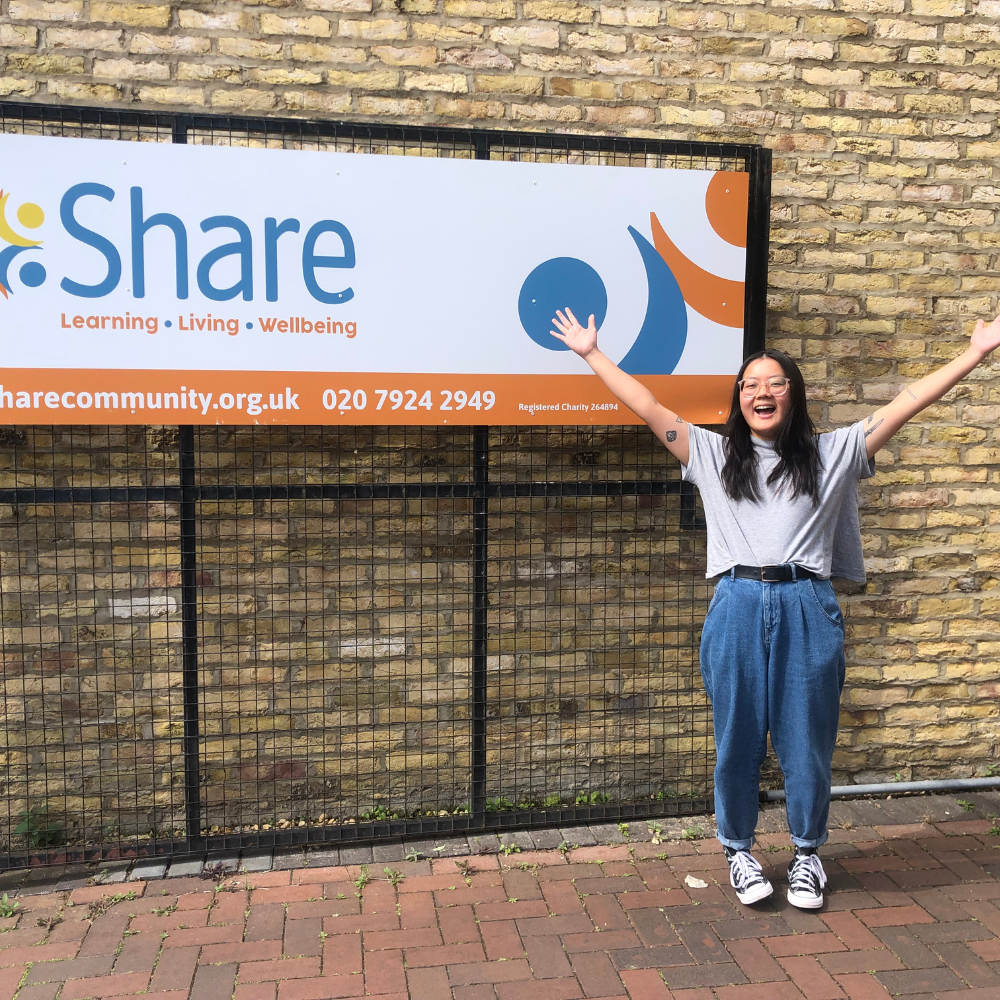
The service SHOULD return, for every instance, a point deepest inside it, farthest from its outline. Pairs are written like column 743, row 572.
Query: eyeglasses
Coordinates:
column 751, row 386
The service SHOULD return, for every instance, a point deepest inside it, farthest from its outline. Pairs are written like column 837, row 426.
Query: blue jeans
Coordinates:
column 772, row 658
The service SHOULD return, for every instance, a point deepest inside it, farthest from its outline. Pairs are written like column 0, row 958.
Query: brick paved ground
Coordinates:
column 914, row 912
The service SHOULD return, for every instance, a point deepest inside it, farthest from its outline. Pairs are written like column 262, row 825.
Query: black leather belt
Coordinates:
column 773, row 574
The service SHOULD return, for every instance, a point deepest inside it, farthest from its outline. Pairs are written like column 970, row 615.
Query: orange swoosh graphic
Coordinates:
column 726, row 202
column 717, row 299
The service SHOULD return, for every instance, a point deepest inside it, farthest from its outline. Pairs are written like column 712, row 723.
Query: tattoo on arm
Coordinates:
column 872, row 426
column 679, row 420
column 671, row 435
column 910, row 391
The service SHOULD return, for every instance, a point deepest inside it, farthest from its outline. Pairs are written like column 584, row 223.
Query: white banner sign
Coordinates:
column 156, row 283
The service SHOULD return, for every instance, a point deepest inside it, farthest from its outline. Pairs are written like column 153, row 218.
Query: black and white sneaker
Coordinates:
column 746, row 878
column 806, row 879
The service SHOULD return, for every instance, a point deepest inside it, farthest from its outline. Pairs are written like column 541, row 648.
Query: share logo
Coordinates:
column 675, row 282
column 30, row 216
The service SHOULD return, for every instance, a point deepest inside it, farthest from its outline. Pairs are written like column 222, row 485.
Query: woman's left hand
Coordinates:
column 986, row 337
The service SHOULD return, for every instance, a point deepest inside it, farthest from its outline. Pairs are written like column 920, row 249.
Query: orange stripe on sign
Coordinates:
column 717, row 299
column 93, row 396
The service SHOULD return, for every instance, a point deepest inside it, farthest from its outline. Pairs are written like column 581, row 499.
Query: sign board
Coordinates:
column 158, row 283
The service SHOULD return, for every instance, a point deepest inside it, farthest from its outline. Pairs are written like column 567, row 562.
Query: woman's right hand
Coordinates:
column 580, row 340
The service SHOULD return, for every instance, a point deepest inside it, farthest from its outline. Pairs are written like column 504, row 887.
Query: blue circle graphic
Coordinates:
column 32, row 274
column 556, row 284
column 249, row 326
column 168, row 323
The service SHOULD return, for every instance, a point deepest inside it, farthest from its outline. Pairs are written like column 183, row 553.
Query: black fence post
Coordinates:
column 189, row 625
column 480, row 575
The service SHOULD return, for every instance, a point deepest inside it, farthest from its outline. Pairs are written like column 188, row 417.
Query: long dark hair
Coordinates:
column 798, row 454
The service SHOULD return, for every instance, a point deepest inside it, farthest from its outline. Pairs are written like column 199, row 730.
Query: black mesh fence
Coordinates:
column 226, row 637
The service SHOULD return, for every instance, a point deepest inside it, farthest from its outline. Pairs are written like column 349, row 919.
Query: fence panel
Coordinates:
column 223, row 638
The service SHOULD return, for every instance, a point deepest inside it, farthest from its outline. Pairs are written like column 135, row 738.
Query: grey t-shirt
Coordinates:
column 823, row 537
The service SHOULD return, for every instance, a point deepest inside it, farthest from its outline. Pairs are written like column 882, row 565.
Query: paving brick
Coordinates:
column 597, row 975
column 255, row 991
column 919, row 980
column 105, row 986
column 138, row 954
column 488, row 972
column 770, row 991
column 852, row 933
column 652, row 927
column 281, row 968
column 701, row 941
column 968, row 965
column 988, row 951
column 810, row 978
column 690, row 976
column 894, row 916
column 645, row 984
column 848, row 962
column 861, row 987
column 550, row 989
column 546, row 957
column 501, row 940
column 383, row 972
column 175, row 970
column 600, row 941
column 755, row 961
column 911, row 952
column 428, row 984
column 803, row 944
column 324, row 988
column 655, row 957
column 449, row 954
column 342, row 955
column 75, row 968
column 213, row 981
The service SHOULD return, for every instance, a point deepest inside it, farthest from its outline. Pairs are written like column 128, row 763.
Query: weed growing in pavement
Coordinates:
column 362, row 880
column 656, row 832
column 966, row 805
column 99, row 906
column 414, row 855
column 215, row 871
column 162, row 911
column 507, row 849
column 693, row 833
column 623, row 830
column 8, row 908
column 48, row 922
column 394, row 876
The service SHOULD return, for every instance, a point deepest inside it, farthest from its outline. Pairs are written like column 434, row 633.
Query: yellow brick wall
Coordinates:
column 882, row 115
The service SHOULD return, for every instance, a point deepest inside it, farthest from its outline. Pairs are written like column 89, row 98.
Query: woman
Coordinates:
column 780, row 506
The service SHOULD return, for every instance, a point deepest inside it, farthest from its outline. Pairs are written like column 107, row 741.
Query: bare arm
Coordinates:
column 664, row 423
column 884, row 422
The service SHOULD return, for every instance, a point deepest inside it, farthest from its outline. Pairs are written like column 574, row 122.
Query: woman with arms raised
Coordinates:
column 780, row 506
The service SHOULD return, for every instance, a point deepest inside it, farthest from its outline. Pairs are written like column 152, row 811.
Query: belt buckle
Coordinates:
column 770, row 574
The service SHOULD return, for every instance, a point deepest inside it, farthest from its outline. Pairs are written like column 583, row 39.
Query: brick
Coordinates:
column 894, row 916
column 213, row 981
column 597, row 975
column 140, row 15
column 645, row 984
column 757, row 965
column 45, row 10
column 105, row 986
column 802, row 944
column 488, row 972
